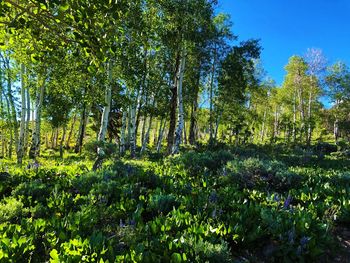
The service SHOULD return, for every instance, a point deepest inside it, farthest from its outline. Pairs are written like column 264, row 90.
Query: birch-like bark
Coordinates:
column 147, row 134
column 146, row 139
column 180, row 126
column 104, row 119
column 107, row 106
column 132, row 122
column 173, row 106
column 309, row 114
column 34, row 150
column 217, row 124
column 161, row 134
column 155, row 130
column 26, row 136
column 20, row 147
column 13, row 114
column 143, row 131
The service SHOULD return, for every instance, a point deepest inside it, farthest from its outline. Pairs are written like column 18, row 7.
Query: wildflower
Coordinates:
column 287, row 202
column 276, row 198
column 304, row 241
column 213, row 198
column 291, row 236
column 121, row 224
column 213, row 214
column 224, row 171
column 132, row 222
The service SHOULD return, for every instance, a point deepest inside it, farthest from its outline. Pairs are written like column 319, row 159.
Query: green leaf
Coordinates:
column 176, row 258
column 54, row 256
column 64, row 7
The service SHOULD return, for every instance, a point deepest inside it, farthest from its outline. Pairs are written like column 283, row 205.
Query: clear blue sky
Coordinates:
column 288, row 28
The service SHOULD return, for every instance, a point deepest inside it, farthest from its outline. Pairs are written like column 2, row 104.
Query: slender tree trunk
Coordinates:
column 173, row 106
column 122, row 133
column 161, row 134
column 143, row 132
column 104, row 119
column 193, row 121
column 55, row 138
column 26, row 137
column 107, row 106
column 185, row 134
column 217, row 124
column 276, row 125
column 81, row 131
column 34, row 150
column 62, row 140
column 302, row 112
column 155, row 135
column 336, row 124
column 20, row 147
column 132, row 124
column 211, row 97
column 146, row 139
column 143, row 90
column 180, row 126
column 309, row 115
column 336, row 130
column 71, row 131
column 13, row 114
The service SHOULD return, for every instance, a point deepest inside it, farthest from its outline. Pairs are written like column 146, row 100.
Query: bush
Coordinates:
column 253, row 172
column 10, row 209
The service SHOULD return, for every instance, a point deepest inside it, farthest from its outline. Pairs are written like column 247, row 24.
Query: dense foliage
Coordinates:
column 147, row 131
column 216, row 206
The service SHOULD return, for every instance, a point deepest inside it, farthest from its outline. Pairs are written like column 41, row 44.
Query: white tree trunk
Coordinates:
column 26, row 137
column 20, row 147
column 132, row 124
column 147, row 135
column 35, row 147
column 107, row 107
column 179, row 130
column 161, row 134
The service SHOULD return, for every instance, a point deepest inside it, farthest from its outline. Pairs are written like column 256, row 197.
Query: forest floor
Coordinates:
column 251, row 204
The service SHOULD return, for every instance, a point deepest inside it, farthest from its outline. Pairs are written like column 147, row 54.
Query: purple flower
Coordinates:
column 121, row 224
column 213, row 198
column 291, row 236
column 213, row 214
column 287, row 202
column 304, row 241
column 276, row 198
column 224, row 171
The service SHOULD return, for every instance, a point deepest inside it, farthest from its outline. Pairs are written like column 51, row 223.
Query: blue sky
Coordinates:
column 289, row 28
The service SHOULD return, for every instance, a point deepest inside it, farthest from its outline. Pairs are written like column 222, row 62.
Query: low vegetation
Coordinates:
column 233, row 205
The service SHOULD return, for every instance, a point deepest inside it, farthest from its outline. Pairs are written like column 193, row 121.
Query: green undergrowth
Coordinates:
column 208, row 206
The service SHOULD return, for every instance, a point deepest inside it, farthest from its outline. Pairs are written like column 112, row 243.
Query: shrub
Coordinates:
column 10, row 209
